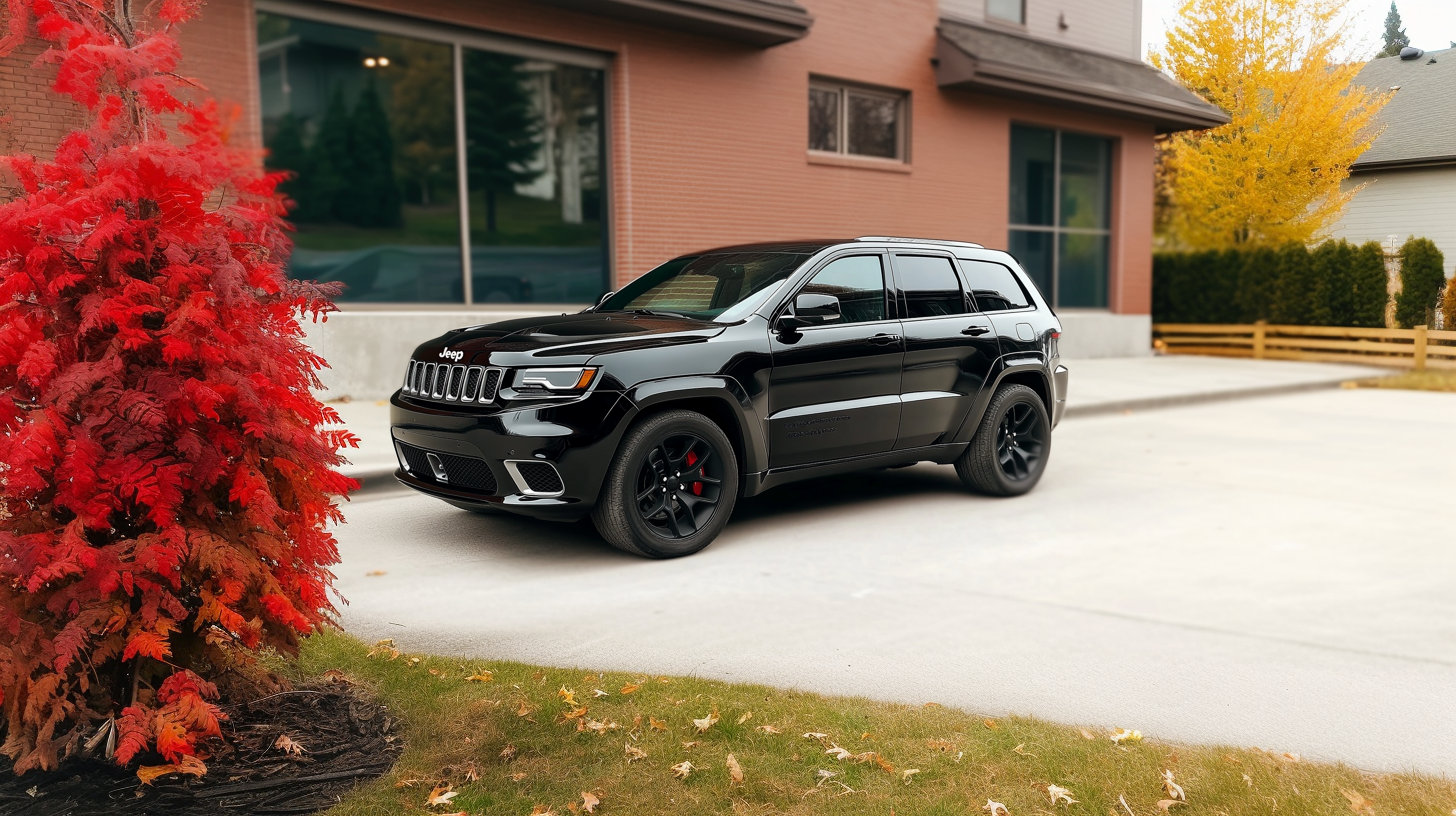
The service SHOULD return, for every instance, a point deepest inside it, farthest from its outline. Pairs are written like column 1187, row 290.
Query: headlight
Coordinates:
column 555, row 381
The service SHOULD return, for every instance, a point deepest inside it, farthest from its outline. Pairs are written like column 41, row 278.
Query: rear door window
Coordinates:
column 994, row 286
column 929, row 285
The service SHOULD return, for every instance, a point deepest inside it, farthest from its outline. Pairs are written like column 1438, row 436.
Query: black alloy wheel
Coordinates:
column 1020, row 440
column 671, row 487
column 678, row 485
column 1009, row 452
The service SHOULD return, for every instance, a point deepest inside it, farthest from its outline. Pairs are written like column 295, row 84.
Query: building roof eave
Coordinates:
column 761, row 23
column 1413, row 163
column 974, row 58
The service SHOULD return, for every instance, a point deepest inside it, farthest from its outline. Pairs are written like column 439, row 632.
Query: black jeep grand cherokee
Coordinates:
column 728, row 372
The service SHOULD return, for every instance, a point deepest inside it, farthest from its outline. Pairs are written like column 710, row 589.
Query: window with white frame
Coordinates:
column 1007, row 11
column 858, row 121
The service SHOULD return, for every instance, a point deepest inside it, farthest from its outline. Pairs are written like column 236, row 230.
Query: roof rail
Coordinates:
column 917, row 241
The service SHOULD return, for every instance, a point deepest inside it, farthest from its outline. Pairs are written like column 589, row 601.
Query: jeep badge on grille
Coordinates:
column 451, row 355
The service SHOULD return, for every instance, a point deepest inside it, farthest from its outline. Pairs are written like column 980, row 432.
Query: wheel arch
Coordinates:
column 720, row 399
column 1030, row 374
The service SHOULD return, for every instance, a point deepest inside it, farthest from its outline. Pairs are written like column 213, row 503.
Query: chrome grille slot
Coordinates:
column 472, row 384
column 409, row 373
column 491, row 385
column 419, row 378
column 457, row 379
column 442, row 376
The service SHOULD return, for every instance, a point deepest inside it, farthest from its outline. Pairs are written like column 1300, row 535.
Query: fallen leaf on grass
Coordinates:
column 414, row 661
column 682, row 769
column 931, row 705
column 574, row 714
column 1019, row 750
column 538, row 676
column 289, row 746
column 596, row 692
column 508, row 753
column 907, row 773
column 190, row 765
column 824, row 775
column 384, row 647
column 630, row 687
column 568, row 696
column 1124, row 735
column 1060, row 794
column 524, row 709
column 1248, row 781
column 995, row 808
column 374, row 573
column 656, row 724
column 991, row 724
column 517, row 777
column 1359, row 803
column 767, row 729
column 337, row 676
column 815, row 735
column 589, row 802
column 943, row 746
column 735, row 771
column 1164, row 804
column 838, row 753
column 482, row 676
column 704, row 723
column 745, row 717
column 690, row 745
column 542, row 810
column 633, row 752
column 1122, row 800
column 441, row 795
column 1173, row 789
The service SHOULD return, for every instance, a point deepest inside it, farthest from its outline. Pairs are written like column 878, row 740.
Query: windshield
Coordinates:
column 724, row 287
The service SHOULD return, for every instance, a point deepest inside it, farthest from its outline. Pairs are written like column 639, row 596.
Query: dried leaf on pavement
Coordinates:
column 735, row 771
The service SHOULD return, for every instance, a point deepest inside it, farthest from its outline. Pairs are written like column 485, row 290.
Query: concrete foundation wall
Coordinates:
column 367, row 351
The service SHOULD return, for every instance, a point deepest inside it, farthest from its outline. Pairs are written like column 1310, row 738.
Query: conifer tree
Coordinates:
column 166, row 486
column 331, row 162
column 1422, row 272
column 286, row 154
column 501, row 130
column 1395, row 37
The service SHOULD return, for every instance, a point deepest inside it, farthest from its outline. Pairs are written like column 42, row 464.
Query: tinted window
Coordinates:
column 930, row 286
column 858, row 282
column 707, row 287
column 994, row 286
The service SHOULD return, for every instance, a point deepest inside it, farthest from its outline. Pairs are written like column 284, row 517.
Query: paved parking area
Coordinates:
column 1275, row 572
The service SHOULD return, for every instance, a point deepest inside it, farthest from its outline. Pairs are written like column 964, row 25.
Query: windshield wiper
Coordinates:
column 657, row 313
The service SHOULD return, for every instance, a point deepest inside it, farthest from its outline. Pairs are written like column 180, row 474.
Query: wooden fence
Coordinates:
column 1417, row 348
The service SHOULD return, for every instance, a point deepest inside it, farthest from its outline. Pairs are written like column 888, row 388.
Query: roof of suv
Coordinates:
column 811, row 246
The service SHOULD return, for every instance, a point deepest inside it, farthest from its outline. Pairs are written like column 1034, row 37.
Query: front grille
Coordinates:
column 540, row 477
column 466, row 472
column 451, row 383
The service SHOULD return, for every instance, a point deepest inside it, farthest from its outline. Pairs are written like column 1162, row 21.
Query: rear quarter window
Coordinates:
column 994, row 286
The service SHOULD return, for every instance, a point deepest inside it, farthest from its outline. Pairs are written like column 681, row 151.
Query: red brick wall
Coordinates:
column 34, row 117
column 708, row 138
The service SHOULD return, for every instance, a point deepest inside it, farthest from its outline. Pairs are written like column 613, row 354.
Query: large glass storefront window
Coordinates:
column 367, row 122
column 1061, row 202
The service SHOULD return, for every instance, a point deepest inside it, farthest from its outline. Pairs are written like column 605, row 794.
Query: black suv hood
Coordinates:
column 563, row 339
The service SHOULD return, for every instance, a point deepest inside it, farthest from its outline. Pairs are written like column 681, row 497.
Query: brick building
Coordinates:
column 459, row 160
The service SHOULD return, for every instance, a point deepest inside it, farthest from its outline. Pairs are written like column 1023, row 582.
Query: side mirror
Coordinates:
column 810, row 310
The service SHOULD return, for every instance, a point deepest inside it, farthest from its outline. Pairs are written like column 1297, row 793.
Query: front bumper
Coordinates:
column 498, row 458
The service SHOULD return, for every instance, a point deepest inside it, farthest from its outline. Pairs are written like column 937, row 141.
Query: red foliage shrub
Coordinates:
column 165, row 480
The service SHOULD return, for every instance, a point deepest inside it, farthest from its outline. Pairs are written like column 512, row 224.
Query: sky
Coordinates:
column 1430, row 24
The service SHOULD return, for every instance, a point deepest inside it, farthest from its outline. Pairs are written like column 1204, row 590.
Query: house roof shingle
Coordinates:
column 1420, row 120
column 985, row 59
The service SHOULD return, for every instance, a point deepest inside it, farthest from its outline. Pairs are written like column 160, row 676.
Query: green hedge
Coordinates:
column 1422, row 271
column 1334, row 284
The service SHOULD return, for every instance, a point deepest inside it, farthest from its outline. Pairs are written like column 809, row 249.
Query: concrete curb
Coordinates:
column 1177, row 400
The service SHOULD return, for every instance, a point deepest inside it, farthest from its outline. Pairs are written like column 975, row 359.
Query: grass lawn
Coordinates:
column 1411, row 381
column 533, row 740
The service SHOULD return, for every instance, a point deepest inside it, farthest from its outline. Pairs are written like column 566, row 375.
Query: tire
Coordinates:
column 1008, row 454
column 634, row 514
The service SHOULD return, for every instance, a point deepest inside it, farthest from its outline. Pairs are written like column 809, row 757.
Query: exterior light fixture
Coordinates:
column 384, row 62
column 370, row 62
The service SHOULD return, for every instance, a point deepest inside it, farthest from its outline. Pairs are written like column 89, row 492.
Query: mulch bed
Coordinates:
column 349, row 739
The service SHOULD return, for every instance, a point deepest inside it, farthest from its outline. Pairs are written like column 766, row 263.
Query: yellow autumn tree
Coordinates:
column 1273, row 174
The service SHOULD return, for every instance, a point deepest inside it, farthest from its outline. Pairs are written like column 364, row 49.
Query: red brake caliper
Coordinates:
column 697, row 486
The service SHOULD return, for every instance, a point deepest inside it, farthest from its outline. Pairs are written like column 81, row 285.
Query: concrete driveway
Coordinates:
column 1277, row 572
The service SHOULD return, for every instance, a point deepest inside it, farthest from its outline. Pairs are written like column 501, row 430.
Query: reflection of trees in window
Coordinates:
column 422, row 96
column 501, row 130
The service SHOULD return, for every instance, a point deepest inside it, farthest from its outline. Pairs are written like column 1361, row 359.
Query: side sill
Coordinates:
column 756, row 483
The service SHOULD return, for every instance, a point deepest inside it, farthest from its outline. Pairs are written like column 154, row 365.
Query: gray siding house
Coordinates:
column 1407, row 179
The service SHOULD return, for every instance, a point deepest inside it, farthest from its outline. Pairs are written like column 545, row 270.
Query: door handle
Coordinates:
column 884, row 339
column 975, row 331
